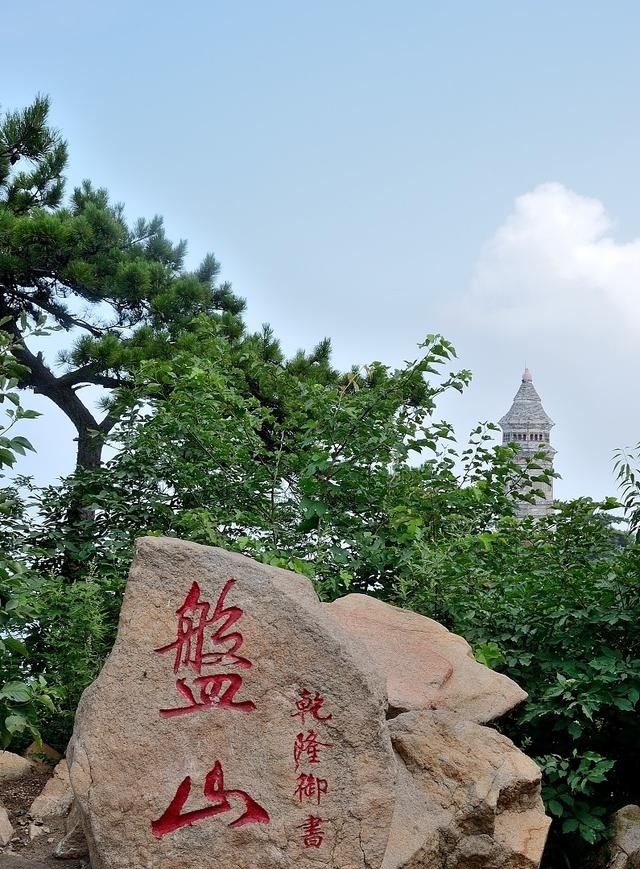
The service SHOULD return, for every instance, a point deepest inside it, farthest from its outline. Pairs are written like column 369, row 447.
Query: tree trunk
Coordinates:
column 79, row 515
column 89, row 454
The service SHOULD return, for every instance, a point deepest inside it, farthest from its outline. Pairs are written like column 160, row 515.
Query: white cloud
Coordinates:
column 554, row 289
column 554, row 262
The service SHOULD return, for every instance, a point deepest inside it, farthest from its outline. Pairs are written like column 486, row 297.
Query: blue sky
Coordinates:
column 374, row 172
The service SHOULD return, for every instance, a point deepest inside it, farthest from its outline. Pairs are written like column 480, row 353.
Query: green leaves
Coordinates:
column 559, row 600
column 566, row 782
column 626, row 467
column 16, row 691
column 19, row 702
column 32, row 159
column 15, row 723
column 138, row 301
column 489, row 654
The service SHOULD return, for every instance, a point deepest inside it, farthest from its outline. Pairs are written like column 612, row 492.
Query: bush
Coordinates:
column 555, row 604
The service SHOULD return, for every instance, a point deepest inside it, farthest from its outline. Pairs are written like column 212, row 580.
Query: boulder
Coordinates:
column 624, row 847
column 56, row 797
column 14, row 767
column 425, row 665
column 235, row 724
column 466, row 796
column 6, row 828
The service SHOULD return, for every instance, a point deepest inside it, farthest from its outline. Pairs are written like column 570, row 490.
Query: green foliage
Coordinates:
column 24, row 135
column 298, row 471
column 567, row 784
column 285, row 461
column 627, row 470
column 555, row 604
column 58, row 258
column 22, row 694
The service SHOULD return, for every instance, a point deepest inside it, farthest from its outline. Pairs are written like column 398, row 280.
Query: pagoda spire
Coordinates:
column 528, row 425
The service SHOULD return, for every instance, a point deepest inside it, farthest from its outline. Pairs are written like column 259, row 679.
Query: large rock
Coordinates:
column 14, row 767
column 425, row 665
column 56, row 797
column 235, row 724
column 466, row 797
column 624, row 847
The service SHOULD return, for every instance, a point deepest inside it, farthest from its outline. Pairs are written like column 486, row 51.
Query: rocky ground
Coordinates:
column 34, row 840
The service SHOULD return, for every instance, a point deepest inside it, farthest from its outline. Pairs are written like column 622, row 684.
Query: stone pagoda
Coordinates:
column 528, row 425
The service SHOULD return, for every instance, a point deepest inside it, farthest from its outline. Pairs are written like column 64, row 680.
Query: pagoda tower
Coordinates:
column 528, row 425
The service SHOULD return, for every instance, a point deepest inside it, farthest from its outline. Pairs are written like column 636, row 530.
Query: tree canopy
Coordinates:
column 120, row 290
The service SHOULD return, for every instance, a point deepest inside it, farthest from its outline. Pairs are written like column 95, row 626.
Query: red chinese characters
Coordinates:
column 310, row 705
column 310, row 787
column 308, row 746
column 313, row 834
column 208, row 641
column 204, row 641
column 307, row 750
column 173, row 818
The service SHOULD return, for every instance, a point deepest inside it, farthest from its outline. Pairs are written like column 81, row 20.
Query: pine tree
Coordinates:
column 122, row 289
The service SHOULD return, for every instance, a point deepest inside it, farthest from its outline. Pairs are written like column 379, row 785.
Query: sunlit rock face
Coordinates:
column 465, row 795
column 235, row 724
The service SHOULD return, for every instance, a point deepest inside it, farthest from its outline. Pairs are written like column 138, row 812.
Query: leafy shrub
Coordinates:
column 555, row 604
column 22, row 694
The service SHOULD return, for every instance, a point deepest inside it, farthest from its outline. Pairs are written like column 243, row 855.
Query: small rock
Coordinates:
column 43, row 757
column 466, row 797
column 624, row 847
column 6, row 830
column 13, row 767
column 56, row 797
column 35, row 830
column 74, row 844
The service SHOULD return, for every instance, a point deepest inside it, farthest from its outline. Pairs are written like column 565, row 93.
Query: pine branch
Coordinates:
column 89, row 374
